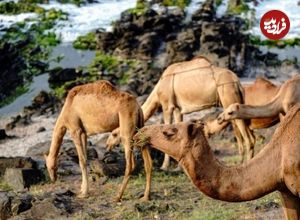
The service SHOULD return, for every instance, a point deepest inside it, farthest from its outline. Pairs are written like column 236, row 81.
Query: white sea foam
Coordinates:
column 81, row 20
column 88, row 17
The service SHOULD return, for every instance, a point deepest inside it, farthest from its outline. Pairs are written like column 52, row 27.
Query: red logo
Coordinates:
column 275, row 24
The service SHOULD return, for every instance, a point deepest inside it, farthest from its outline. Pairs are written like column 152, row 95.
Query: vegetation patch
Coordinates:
column 13, row 8
column 241, row 7
column 140, row 8
column 218, row 2
column 87, row 42
column 256, row 40
column 179, row 3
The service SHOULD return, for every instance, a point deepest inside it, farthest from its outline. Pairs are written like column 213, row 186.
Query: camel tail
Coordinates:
column 151, row 104
column 140, row 122
column 241, row 92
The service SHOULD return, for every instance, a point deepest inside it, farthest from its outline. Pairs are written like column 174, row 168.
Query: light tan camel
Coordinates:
column 287, row 96
column 97, row 108
column 258, row 93
column 275, row 167
column 195, row 85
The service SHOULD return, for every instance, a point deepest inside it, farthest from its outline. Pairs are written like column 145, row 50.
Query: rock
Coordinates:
column 41, row 129
column 21, row 203
column 11, row 66
column 59, row 76
column 16, row 162
column 223, row 43
column 22, row 178
column 46, row 209
column 18, row 121
column 42, row 104
column 3, row 134
column 5, row 206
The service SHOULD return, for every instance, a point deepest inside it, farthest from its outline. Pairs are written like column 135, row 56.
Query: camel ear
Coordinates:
column 192, row 130
column 170, row 132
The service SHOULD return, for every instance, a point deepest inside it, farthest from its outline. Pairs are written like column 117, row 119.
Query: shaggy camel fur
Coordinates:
column 195, row 85
column 97, row 108
column 287, row 96
column 258, row 93
column 275, row 167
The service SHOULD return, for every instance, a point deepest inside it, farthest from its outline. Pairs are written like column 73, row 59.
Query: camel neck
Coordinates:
column 269, row 110
column 233, row 183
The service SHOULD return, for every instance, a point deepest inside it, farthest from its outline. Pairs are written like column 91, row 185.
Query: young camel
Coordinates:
column 195, row 85
column 258, row 93
column 276, row 167
column 97, row 108
column 287, row 96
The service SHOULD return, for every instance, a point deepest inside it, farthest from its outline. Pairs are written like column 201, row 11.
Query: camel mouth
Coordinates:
column 140, row 140
column 220, row 119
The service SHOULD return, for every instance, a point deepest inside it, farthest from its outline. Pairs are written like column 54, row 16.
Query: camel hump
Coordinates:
column 201, row 57
column 262, row 80
column 102, row 87
column 291, row 114
column 193, row 65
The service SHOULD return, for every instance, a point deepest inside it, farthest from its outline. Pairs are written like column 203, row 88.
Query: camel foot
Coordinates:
column 177, row 169
column 117, row 199
column 82, row 195
column 145, row 199
column 164, row 169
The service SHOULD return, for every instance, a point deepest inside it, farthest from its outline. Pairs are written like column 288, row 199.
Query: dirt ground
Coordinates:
column 173, row 195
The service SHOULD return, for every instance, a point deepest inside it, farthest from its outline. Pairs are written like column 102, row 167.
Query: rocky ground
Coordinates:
column 173, row 195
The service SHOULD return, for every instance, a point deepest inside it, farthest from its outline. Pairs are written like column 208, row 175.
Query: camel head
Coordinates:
column 113, row 140
column 51, row 167
column 174, row 140
column 229, row 113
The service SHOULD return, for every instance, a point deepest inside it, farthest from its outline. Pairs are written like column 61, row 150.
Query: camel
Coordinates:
column 195, row 85
column 275, row 167
column 97, row 108
column 287, row 96
column 258, row 93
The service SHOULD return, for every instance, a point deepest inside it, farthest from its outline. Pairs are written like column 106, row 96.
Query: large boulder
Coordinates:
column 16, row 162
column 5, row 206
column 11, row 66
column 58, row 76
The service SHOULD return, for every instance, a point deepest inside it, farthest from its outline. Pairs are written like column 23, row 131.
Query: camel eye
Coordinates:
column 114, row 135
column 230, row 113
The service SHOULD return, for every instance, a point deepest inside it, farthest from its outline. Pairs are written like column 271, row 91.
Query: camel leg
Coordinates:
column 79, row 139
column 247, row 137
column 239, row 140
column 148, row 169
column 291, row 205
column 167, row 112
column 232, row 96
column 126, row 132
column 178, row 117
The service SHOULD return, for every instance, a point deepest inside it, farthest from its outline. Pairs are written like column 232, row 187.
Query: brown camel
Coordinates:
column 97, row 108
column 195, row 85
column 275, row 167
column 258, row 93
column 287, row 96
